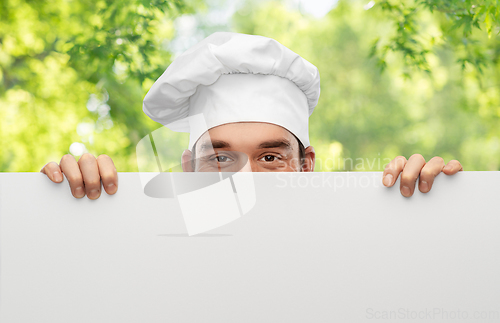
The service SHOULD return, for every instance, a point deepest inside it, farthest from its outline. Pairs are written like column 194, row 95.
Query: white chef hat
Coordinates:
column 231, row 77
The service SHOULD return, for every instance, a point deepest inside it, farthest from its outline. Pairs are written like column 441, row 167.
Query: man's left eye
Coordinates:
column 269, row 158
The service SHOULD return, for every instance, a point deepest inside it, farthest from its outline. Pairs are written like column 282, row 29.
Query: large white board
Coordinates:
column 318, row 247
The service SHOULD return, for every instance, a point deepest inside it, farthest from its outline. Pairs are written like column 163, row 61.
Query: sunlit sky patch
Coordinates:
column 187, row 27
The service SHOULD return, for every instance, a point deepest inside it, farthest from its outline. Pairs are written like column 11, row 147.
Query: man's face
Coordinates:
column 248, row 146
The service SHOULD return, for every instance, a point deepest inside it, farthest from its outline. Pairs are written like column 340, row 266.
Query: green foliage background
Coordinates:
column 397, row 77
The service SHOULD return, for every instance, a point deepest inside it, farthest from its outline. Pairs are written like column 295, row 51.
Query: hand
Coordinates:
column 85, row 176
column 414, row 167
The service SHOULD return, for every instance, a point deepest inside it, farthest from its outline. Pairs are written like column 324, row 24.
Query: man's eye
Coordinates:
column 269, row 158
column 222, row 159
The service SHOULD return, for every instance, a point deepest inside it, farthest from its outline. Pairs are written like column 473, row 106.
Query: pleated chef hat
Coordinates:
column 231, row 77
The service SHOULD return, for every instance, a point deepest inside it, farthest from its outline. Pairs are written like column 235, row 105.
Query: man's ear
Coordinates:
column 186, row 161
column 310, row 158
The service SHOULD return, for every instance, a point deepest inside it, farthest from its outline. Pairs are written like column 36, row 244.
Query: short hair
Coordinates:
column 302, row 154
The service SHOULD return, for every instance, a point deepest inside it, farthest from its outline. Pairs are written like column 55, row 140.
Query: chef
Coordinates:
column 245, row 101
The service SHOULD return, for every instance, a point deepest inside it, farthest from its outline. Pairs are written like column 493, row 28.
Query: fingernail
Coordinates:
column 79, row 192
column 424, row 186
column 111, row 188
column 405, row 191
column 388, row 179
column 448, row 168
column 57, row 177
column 93, row 194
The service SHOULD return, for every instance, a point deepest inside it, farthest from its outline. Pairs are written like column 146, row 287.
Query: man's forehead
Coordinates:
column 254, row 135
column 209, row 144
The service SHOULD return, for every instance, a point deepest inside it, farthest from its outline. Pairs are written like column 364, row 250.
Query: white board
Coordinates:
column 317, row 247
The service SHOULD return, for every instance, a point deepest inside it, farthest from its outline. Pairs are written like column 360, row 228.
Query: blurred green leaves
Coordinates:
column 461, row 25
column 57, row 55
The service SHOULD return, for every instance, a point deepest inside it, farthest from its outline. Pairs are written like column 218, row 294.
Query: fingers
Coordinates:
column 392, row 170
column 414, row 168
column 452, row 167
column 53, row 172
column 410, row 174
column 107, row 171
column 90, row 172
column 429, row 172
column 72, row 172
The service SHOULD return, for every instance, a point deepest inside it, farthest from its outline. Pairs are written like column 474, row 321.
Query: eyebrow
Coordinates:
column 219, row 144
column 214, row 144
column 278, row 143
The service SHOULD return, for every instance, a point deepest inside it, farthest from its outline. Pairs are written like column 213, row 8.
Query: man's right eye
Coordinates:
column 222, row 159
